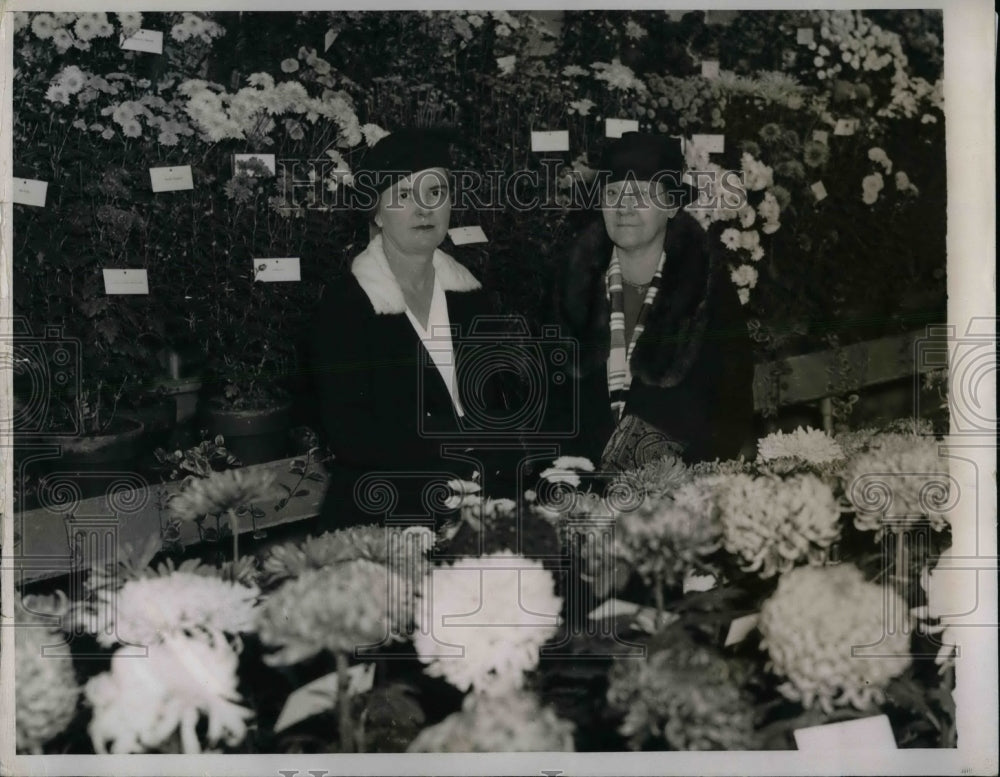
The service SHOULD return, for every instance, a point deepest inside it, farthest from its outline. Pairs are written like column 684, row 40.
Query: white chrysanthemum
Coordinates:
column 131, row 22
column 731, row 238
column 142, row 702
column 373, row 133
column 511, row 723
column 744, row 276
column 340, row 608
column 773, row 524
column 581, row 107
column 617, row 75
column 812, row 446
column 45, row 687
column 148, row 610
column 221, row 492
column 900, row 477
column 482, row 621
column 812, row 625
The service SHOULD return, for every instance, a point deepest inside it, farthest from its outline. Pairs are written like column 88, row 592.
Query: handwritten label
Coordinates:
column 821, row 136
column 171, row 179
column 615, row 128
column 873, row 733
column 710, row 68
column 329, row 38
column 150, row 41
column 713, row 144
column 265, row 159
column 804, row 35
column 272, row 270
column 462, row 235
column 29, row 192
column 740, row 627
column 845, row 127
column 126, row 282
column 321, row 695
column 550, row 141
column 819, row 191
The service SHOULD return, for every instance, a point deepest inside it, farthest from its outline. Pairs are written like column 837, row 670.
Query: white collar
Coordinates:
column 371, row 268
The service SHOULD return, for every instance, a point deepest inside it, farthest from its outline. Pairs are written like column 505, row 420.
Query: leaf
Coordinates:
column 321, row 695
column 315, row 476
column 302, row 492
column 287, row 488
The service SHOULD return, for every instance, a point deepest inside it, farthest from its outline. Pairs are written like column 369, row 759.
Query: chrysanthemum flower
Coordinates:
column 806, row 445
column 815, row 154
column 812, row 625
column 484, row 619
column 772, row 524
column 340, row 609
column 142, row 702
column 511, row 723
column 221, row 492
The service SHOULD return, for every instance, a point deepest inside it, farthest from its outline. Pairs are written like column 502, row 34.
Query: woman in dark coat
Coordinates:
column 683, row 358
column 385, row 350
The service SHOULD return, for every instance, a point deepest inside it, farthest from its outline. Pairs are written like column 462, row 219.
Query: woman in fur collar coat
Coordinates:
column 679, row 357
column 387, row 372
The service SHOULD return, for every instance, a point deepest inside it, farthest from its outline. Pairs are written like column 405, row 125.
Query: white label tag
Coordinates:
column 29, row 192
column 615, row 128
column 462, row 235
column 270, row 270
column 710, row 68
column 329, row 38
column 713, row 144
column 150, row 41
column 740, row 627
column 265, row 159
column 819, row 191
column 171, row 179
column 550, row 141
column 126, row 282
column 873, row 733
column 698, row 583
column 845, row 127
column 821, row 136
column 804, row 35
column 321, row 695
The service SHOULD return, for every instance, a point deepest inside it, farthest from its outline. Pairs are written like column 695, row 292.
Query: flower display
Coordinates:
column 686, row 695
column 45, row 687
column 807, row 445
column 339, row 608
column 901, row 477
column 221, row 492
column 511, row 602
column 141, row 702
column 812, row 626
column 659, row 477
column 511, row 723
column 772, row 524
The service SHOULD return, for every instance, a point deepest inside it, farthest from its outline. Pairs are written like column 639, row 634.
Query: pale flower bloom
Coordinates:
column 573, row 70
column 506, row 64
column 373, row 133
column 871, row 186
column 634, row 31
column 879, row 156
column 744, row 295
column 813, row 446
column 750, row 241
column 581, row 107
column 289, row 65
column 731, row 238
column 744, row 276
column 617, row 75
column 43, row 25
column 130, row 21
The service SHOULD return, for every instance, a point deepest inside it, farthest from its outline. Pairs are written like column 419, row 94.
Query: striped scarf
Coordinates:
column 619, row 375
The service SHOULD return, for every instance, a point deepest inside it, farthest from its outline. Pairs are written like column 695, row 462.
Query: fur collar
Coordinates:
column 371, row 269
column 675, row 327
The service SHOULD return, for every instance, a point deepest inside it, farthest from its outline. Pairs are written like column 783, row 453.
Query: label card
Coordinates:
column 550, row 141
column 698, row 583
column 804, row 35
column 150, row 41
column 821, row 136
column 126, row 282
column 710, row 68
column 873, row 733
column 171, row 179
column 321, row 695
column 615, row 128
column 845, row 127
column 29, row 192
column 740, row 627
column 329, row 38
column 713, row 144
column 265, row 159
column 271, row 270
column 819, row 191
column 462, row 235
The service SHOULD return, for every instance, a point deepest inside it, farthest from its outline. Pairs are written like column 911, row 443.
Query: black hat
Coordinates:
column 641, row 157
column 400, row 154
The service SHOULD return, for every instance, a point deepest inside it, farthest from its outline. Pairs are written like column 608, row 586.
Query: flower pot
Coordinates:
column 254, row 436
column 185, row 394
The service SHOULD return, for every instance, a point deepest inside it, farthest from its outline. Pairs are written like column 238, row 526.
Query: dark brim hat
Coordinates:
column 398, row 155
column 656, row 158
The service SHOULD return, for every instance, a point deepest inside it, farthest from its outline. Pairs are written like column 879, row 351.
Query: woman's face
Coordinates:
column 635, row 214
column 414, row 213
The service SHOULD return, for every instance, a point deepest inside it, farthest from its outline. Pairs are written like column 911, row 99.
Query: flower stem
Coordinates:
column 658, row 595
column 234, row 527
column 344, row 705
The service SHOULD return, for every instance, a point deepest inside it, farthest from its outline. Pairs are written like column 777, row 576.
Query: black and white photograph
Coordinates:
column 484, row 391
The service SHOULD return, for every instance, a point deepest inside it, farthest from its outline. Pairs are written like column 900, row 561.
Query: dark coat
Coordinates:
column 692, row 367
column 383, row 407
